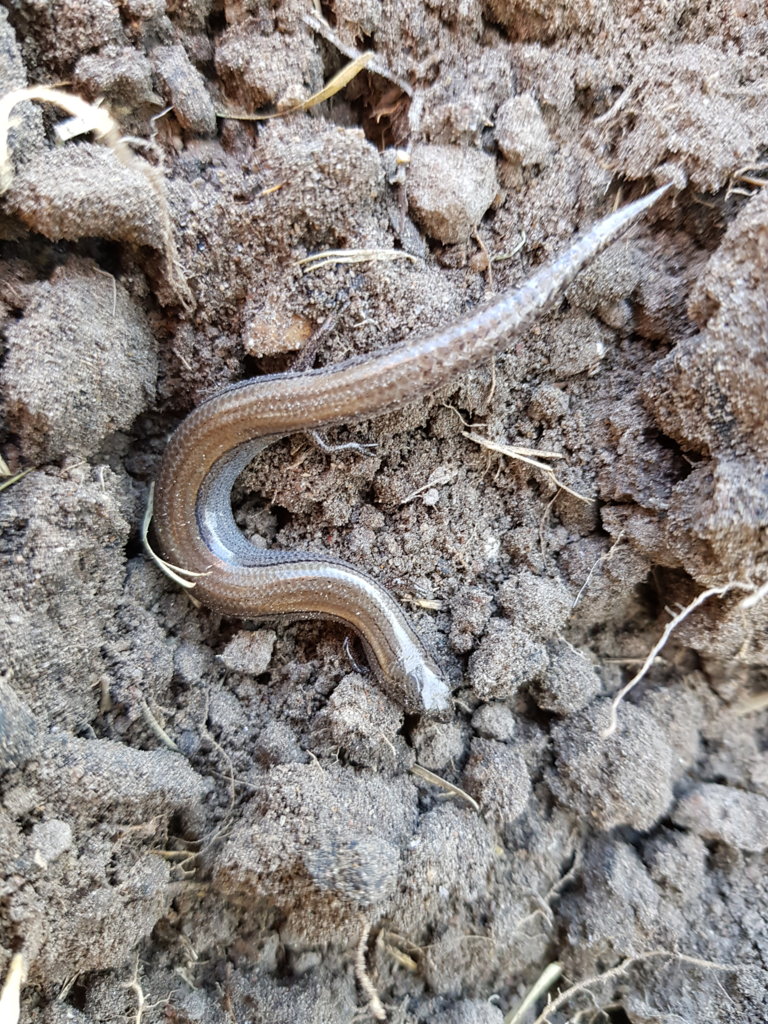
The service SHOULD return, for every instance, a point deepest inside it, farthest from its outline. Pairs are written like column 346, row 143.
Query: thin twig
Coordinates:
column 606, row 555
column 155, row 727
column 440, row 476
column 489, row 288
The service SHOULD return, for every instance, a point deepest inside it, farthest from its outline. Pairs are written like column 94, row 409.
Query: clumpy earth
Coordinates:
column 204, row 820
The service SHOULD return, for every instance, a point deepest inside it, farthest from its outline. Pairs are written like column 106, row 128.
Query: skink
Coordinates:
column 193, row 520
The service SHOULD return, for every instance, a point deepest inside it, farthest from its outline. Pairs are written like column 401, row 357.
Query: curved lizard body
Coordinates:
column 193, row 520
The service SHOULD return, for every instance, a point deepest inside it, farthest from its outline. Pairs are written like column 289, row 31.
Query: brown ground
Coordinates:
column 232, row 878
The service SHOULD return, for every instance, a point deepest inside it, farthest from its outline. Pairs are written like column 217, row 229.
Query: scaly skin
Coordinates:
column 193, row 520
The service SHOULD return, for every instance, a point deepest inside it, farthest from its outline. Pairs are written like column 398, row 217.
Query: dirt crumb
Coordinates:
column 82, row 191
column 495, row 722
column 521, row 132
column 621, row 903
column 468, row 1011
column 62, row 588
column 439, row 745
column 570, row 682
column 56, row 34
column 623, row 780
column 82, row 334
column 536, row 604
column 726, row 815
column 363, row 870
column 497, row 777
column 506, row 659
column 249, row 651
column 116, row 780
column 259, row 69
column 449, row 190
column 184, row 87
column 460, row 866
column 363, row 723
column 51, row 839
column 471, row 609
column 120, row 76
column 273, row 860
column 25, row 137
column 18, row 729
column 277, row 744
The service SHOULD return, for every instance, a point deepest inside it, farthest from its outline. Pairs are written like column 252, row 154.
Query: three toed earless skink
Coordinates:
column 193, row 518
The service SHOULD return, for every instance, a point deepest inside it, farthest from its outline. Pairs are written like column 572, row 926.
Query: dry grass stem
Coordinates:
column 531, row 457
column 374, row 64
column 331, row 87
column 11, row 480
column 318, row 260
column 184, row 577
column 428, row 604
column 10, row 994
column 436, row 780
column 502, row 257
column 548, row 977
column 270, row 189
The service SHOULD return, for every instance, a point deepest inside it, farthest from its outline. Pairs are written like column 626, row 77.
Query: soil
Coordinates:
column 204, row 820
